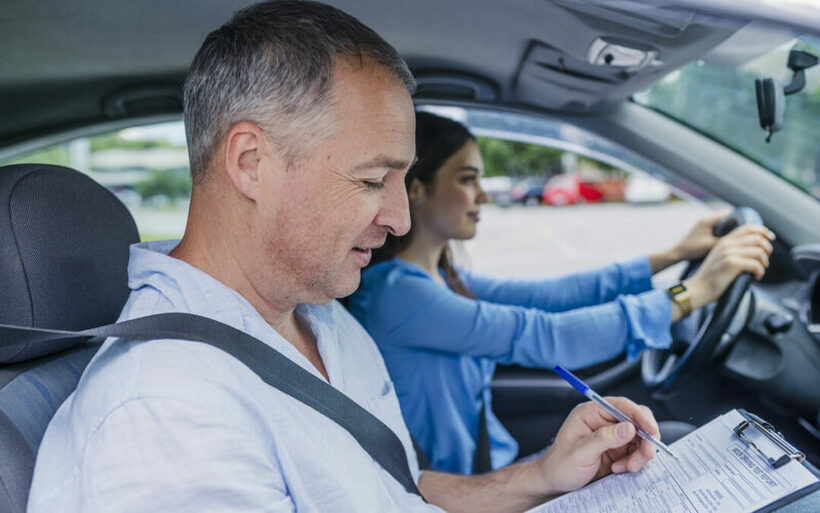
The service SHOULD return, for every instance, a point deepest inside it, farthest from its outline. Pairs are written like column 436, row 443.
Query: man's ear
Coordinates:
column 247, row 151
column 417, row 192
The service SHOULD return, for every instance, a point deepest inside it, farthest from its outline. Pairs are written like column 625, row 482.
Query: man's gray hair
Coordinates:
column 272, row 64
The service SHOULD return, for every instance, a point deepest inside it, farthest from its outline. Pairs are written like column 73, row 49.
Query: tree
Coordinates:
column 171, row 183
column 505, row 158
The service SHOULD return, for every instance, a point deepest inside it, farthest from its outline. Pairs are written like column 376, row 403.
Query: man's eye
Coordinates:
column 373, row 186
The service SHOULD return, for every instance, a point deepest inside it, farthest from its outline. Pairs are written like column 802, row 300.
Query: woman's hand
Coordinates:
column 700, row 238
column 692, row 246
column 592, row 443
column 745, row 249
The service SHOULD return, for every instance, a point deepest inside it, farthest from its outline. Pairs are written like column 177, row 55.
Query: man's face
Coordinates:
column 348, row 193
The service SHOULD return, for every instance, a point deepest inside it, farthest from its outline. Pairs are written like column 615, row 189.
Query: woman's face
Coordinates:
column 450, row 209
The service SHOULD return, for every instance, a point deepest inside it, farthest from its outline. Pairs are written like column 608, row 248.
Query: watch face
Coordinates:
column 677, row 289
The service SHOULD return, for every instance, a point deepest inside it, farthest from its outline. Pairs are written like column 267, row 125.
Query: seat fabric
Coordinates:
column 64, row 243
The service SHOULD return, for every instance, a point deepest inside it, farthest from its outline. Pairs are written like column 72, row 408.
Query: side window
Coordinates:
column 146, row 167
column 563, row 200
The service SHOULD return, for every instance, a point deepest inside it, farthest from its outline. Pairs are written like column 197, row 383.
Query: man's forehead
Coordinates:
column 371, row 120
column 384, row 161
column 356, row 85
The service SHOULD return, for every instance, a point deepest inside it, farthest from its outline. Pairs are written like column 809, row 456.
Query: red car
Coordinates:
column 568, row 189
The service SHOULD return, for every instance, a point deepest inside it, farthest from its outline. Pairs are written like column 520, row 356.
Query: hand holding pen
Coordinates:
column 592, row 443
column 583, row 388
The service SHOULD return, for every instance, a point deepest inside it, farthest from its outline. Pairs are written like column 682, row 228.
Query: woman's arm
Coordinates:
column 415, row 311
column 559, row 294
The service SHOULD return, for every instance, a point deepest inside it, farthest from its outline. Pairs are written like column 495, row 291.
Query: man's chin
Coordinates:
column 351, row 287
column 345, row 286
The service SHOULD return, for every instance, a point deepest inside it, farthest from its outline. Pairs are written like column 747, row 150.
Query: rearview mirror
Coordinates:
column 771, row 95
column 771, row 104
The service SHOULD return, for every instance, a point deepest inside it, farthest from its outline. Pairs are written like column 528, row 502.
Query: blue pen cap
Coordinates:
column 571, row 379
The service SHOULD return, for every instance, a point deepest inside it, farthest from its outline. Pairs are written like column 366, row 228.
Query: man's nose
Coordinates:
column 395, row 212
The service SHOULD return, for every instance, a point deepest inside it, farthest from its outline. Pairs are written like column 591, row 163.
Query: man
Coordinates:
column 300, row 128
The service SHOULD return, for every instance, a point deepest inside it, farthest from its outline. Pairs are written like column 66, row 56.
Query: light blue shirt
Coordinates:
column 441, row 348
column 173, row 426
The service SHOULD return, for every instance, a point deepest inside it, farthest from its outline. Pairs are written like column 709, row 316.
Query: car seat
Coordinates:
column 64, row 243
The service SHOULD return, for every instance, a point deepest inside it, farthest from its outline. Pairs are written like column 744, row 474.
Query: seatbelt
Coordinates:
column 269, row 364
column 482, row 448
column 421, row 458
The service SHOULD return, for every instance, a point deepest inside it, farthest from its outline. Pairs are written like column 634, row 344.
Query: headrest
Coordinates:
column 64, row 242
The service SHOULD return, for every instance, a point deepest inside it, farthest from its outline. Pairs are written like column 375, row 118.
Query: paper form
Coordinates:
column 717, row 472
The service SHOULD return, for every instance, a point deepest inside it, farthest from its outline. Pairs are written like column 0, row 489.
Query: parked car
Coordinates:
column 498, row 188
column 529, row 191
column 641, row 188
column 662, row 87
column 568, row 189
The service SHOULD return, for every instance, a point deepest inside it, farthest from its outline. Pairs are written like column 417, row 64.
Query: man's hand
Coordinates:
column 592, row 443
column 745, row 249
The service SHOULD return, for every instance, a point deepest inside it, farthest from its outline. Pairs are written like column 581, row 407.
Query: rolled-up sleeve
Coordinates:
column 648, row 316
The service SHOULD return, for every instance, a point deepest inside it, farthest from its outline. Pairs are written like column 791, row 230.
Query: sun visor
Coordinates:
column 612, row 53
column 550, row 78
column 644, row 17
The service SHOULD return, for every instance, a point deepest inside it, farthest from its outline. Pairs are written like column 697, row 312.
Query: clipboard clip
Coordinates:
column 789, row 451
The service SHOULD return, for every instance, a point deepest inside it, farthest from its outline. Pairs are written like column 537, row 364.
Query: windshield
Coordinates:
column 720, row 102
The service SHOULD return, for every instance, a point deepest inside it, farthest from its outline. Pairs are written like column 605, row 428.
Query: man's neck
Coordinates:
column 296, row 331
column 216, row 257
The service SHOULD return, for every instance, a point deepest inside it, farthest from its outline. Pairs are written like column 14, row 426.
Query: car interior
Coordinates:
column 91, row 66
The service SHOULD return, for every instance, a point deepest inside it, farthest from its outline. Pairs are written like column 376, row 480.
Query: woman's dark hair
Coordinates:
column 437, row 139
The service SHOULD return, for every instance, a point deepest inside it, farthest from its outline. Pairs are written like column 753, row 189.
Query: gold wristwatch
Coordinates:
column 680, row 295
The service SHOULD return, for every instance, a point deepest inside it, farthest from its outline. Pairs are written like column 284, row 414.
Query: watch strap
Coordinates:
column 680, row 295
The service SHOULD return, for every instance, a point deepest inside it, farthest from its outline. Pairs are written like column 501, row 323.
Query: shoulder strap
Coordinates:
column 269, row 364
column 482, row 462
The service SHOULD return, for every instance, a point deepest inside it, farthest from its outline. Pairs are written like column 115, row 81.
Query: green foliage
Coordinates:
column 59, row 154
column 171, row 183
column 505, row 158
column 114, row 140
column 56, row 155
column 603, row 166
column 510, row 158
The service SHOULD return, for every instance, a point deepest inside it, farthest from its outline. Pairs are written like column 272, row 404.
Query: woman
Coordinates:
column 442, row 330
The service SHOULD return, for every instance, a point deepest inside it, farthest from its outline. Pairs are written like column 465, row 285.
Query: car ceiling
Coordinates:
column 69, row 64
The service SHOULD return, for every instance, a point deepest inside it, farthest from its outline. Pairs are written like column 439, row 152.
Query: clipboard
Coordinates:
column 737, row 462
column 785, row 455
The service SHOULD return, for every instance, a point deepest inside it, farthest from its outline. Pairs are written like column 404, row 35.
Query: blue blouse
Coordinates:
column 441, row 348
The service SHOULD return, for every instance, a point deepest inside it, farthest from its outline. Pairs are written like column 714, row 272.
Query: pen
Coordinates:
column 618, row 414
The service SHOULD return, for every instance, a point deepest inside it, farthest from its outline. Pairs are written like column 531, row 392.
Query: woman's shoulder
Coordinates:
column 389, row 273
column 385, row 283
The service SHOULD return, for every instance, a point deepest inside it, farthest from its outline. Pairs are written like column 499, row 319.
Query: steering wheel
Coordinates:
column 665, row 370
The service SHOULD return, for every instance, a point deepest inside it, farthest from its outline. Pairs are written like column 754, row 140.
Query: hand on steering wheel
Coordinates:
column 745, row 249
column 742, row 251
